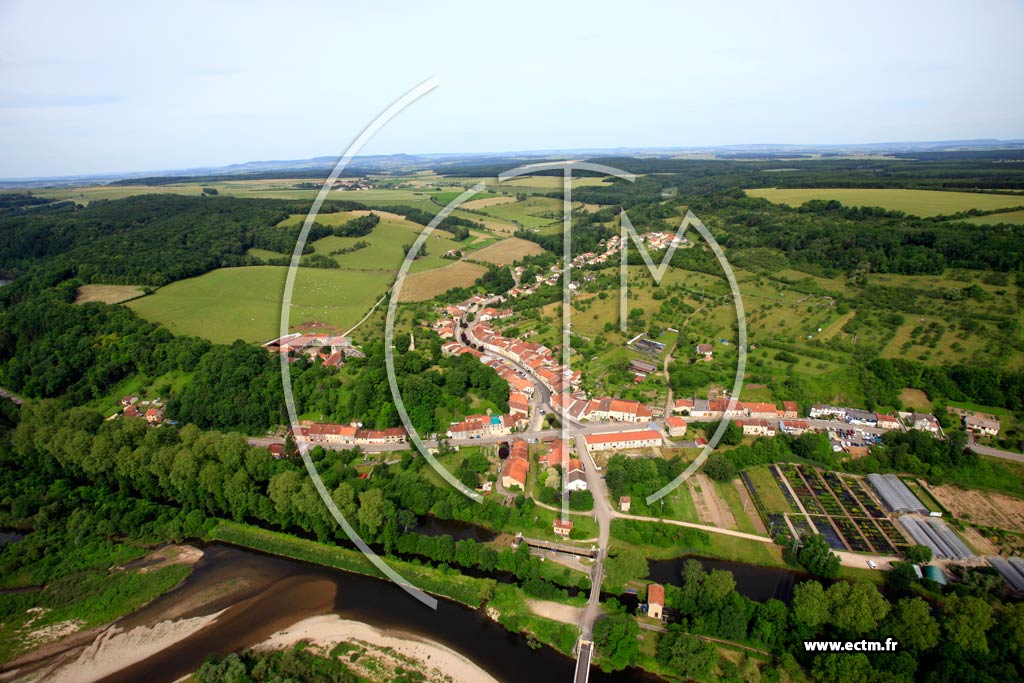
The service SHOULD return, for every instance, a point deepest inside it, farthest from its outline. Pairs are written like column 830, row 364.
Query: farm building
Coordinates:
column 1013, row 575
column 895, row 494
column 624, row 502
column 934, row 533
column 642, row 367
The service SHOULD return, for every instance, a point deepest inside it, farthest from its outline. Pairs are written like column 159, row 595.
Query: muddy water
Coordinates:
column 262, row 594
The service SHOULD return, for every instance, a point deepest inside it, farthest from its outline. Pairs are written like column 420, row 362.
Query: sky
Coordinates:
column 121, row 87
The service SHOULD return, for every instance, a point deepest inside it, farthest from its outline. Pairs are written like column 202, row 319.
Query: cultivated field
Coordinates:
column 981, row 507
column 245, row 303
column 424, row 286
column 532, row 212
column 507, row 252
column 916, row 202
column 488, row 201
column 108, row 294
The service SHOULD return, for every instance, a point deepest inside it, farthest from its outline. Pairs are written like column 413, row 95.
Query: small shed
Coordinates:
column 936, row 574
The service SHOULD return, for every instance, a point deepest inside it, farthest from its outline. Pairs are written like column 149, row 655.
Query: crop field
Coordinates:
column 245, row 303
column 488, row 201
column 916, row 202
column 838, row 506
column 532, row 183
column 426, row 285
column 108, row 294
column 507, row 251
column 385, row 248
column 532, row 212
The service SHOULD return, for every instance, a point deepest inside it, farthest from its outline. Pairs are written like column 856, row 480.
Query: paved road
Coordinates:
column 994, row 452
column 603, row 512
column 585, row 651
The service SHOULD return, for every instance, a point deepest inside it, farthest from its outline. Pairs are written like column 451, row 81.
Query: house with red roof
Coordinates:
column 655, row 600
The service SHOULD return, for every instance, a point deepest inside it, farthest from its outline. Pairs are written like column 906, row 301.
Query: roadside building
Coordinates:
column 624, row 502
column 655, row 600
column 514, row 473
column 790, row 411
column 924, row 423
column 794, row 427
column 757, row 427
column 887, row 422
column 982, row 425
column 644, row 438
column 563, row 528
column 676, row 425
column 682, row 405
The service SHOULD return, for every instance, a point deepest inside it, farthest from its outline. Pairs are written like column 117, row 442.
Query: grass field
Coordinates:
column 423, row 286
column 108, row 294
column 767, row 489
column 1010, row 217
column 507, row 252
column 917, row 202
column 532, row 212
column 915, row 399
column 245, row 303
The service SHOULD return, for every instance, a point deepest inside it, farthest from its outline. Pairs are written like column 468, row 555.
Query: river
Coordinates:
column 755, row 582
column 262, row 594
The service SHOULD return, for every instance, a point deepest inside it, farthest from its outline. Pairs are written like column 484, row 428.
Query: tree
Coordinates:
column 918, row 554
column 810, row 607
column 770, row 621
column 720, row 468
column 372, row 508
column 901, row 577
column 817, row 558
column 911, row 623
column 616, row 639
column 626, row 566
column 686, row 655
column 842, row 668
column 965, row 621
column 733, row 435
column 855, row 607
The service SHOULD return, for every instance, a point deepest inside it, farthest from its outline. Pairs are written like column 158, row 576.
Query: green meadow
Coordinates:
column 923, row 203
column 245, row 303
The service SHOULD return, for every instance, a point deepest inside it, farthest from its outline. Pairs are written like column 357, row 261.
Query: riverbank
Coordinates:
column 506, row 604
column 450, row 584
column 74, row 609
column 370, row 650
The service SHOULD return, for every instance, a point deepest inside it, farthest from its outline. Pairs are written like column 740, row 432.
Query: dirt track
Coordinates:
column 711, row 509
